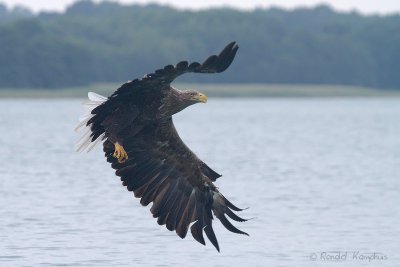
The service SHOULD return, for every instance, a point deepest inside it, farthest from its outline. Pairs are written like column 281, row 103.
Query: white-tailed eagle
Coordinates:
column 142, row 145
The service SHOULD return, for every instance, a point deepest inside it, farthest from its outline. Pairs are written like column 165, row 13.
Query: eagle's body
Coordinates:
column 141, row 143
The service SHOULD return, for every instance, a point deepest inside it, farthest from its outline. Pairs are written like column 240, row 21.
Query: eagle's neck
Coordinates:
column 174, row 101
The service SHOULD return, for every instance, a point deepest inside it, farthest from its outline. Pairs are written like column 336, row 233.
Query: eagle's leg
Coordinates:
column 120, row 153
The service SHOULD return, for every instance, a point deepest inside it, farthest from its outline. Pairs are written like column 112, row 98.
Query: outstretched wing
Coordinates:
column 163, row 170
column 143, row 91
column 163, row 77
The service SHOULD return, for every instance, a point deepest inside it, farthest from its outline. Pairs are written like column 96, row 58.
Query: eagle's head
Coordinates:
column 191, row 96
column 177, row 100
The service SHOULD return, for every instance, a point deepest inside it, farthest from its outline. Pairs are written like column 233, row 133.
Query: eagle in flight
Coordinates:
column 142, row 145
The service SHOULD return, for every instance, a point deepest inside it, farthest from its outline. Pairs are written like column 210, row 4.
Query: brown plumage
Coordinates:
column 158, row 166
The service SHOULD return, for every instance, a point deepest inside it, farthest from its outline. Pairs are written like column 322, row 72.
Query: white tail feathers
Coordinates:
column 85, row 142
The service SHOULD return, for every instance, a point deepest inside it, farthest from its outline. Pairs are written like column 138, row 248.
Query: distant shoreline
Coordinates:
column 214, row 90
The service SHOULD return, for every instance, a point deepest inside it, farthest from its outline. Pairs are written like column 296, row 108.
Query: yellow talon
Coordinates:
column 120, row 153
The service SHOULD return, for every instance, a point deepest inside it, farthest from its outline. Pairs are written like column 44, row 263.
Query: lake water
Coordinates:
column 321, row 178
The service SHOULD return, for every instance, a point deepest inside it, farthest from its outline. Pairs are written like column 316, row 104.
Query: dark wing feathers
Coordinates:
column 226, row 57
column 210, row 63
column 162, row 77
column 181, row 66
column 229, row 226
column 162, row 170
column 210, row 233
column 233, row 216
column 132, row 92
column 210, row 173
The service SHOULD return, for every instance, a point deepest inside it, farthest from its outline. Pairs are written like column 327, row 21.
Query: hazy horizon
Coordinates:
column 381, row 7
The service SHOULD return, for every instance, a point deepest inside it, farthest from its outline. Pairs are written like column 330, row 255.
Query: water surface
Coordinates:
column 319, row 175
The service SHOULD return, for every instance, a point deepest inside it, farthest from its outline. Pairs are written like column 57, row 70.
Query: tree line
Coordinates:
column 108, row 42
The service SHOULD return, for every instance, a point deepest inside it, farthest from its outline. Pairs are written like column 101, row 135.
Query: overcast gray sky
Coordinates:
column 363, row 6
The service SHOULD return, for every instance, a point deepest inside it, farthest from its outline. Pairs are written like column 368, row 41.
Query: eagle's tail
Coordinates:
column 85, row 142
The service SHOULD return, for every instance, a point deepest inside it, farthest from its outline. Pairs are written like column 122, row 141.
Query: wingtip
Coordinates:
column 234, row 217
column 232, row 44
column 229, row 226
column 211, row 236
column 233, row 207
column 236, row 45
column 226, row 57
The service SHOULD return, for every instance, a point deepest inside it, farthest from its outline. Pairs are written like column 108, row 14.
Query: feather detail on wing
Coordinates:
column 162, row 77
column 162, row 170
column 85, row 142
column 138, row 91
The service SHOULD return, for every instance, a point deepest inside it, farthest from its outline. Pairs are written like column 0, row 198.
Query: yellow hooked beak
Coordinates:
column 201, row 97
